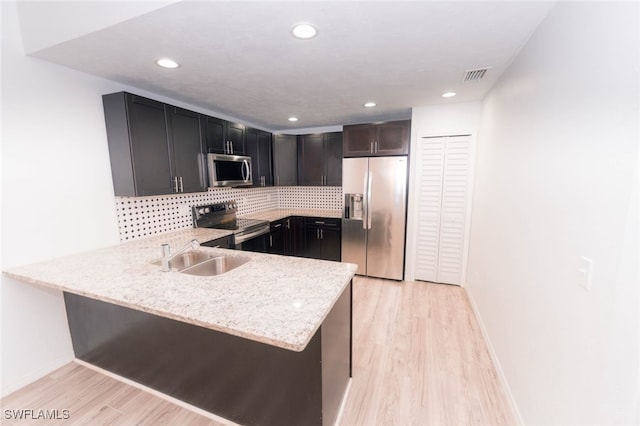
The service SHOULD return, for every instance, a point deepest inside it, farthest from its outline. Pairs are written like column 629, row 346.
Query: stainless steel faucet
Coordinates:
column 167, row 256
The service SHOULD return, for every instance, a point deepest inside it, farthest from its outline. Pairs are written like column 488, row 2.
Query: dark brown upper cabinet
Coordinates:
column 320, row 159
column 258, row 147
column 285, row 160
column 376, row 140
column 223, row 137
column 154, row 148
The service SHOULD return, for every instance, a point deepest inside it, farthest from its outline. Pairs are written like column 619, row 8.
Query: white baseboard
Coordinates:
column 494, row 358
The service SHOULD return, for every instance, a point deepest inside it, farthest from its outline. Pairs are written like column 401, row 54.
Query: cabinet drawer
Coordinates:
column 278, row 225
column 322, row 222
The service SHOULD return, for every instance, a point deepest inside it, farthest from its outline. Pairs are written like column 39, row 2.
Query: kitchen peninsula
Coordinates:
column 268, row 342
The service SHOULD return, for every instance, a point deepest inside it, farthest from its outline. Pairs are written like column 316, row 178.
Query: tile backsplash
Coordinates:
column 144, row 216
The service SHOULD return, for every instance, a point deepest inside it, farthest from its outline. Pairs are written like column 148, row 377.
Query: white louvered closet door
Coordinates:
column 430, row 179
column 442, row 215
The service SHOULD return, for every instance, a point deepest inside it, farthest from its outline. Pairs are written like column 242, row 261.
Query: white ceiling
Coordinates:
column 239, row 59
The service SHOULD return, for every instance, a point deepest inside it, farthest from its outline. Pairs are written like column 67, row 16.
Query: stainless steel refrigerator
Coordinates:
column 373, row 219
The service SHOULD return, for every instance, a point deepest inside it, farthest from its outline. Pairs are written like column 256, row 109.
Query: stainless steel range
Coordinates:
column 224, row 216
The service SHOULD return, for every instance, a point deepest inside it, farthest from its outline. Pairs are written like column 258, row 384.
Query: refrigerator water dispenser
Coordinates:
column 353, row 206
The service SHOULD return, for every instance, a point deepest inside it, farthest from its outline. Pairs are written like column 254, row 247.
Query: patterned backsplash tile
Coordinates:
column 144, row 216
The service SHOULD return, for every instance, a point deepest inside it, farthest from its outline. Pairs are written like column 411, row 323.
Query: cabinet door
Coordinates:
column 311, row 167
column 149, row 146
column 333, row 159
column 312, row 242
column 357, row 140
column 251, row 149
column 294, row 236
column 235, row 135
column 277, row 237
column 214, row 134
column 186, row 146
column 264, row 158
column 285, row 160
column 331, row 244
column 258, row 244
column 258, row 147
column 392, row 138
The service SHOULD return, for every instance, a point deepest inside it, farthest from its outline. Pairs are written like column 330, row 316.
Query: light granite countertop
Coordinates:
column 277, row 214
column 277, row 300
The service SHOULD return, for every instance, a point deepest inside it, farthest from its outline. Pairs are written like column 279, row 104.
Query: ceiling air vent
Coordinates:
column 474, row 75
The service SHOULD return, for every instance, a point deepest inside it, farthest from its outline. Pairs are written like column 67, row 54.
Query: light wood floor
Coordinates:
column 419, row 359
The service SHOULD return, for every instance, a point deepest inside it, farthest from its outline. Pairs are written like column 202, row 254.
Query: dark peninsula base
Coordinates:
column 244, row 381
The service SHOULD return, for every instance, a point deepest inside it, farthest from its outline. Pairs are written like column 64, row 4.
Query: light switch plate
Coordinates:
column 586, row 271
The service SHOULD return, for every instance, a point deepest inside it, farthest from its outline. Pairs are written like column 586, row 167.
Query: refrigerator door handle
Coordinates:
column 369, row 191
column 365, row 206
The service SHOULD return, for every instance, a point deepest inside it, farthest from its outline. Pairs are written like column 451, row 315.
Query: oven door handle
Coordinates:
column 241, row 238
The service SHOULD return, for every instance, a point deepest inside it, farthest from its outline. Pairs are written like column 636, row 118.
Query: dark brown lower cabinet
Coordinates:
column 248, row 382
column 322, row 238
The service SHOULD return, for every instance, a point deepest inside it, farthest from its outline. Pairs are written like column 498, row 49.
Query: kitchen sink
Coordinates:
column 204, row 264
column 216, row 265
column 187, row 259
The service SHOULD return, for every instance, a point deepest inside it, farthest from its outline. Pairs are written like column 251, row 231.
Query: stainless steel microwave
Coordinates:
column 229, row 170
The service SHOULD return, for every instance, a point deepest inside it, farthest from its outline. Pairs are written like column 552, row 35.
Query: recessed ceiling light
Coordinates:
column 448, row 94
column 167, row 63
column 304, row 31
column 370, row 104
column 293, row 118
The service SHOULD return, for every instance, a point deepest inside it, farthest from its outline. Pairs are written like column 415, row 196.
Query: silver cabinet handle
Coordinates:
column 226, row 147
column 231, row 143
column 376, row 147
column 319, row 222
column 288, row 225
column 175, row 184
column 277, row 225
column 181, row 185
column 317, row 234
column 371, row 148
column 270, row 240
column 322, row 234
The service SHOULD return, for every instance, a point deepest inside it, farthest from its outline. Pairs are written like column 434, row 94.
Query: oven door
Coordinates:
column 255, row 240
column 229, row 170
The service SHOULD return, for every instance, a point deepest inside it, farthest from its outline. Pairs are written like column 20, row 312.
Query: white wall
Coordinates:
column 57, row 195
column 428, row 121
column 556, row 157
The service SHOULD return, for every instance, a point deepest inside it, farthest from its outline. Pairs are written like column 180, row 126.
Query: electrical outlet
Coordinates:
column 586, row 272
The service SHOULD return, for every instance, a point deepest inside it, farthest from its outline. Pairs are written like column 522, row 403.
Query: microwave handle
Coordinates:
column 246, row 177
